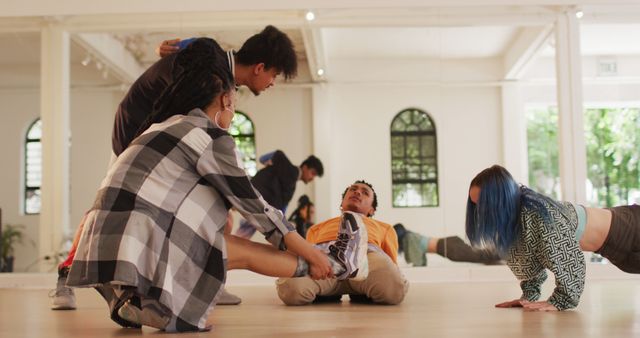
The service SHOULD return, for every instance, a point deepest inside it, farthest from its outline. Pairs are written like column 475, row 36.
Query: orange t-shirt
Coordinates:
column 381, row 234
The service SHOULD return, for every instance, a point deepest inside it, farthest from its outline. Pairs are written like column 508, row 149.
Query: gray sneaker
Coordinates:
column 148, row 316
column 350, row 249
column 227, row 298
column 62, row 296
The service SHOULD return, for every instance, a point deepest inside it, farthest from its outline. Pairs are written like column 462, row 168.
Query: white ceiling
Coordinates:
column 464, row 34
column 417, row 42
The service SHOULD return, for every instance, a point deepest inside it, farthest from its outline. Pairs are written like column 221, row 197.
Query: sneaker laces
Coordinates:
column 342, row 242
column 340, row 245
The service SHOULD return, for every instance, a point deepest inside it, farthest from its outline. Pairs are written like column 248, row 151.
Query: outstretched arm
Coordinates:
column 220, row 165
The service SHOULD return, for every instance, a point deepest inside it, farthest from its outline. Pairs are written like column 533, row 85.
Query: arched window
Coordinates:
column 33, row 168
column 243, row 133
column 414, row 160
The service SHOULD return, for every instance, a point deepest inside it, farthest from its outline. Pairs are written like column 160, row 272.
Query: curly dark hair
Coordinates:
column 375, row 196
column 271, row 47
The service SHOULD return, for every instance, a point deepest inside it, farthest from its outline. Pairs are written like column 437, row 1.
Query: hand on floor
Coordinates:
column 539, row 306
column 513, row 303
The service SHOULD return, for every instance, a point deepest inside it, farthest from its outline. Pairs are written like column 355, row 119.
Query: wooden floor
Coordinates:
column 608, row 309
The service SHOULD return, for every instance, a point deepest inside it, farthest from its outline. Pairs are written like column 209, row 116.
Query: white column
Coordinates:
column 514, row 133
column 54, row 112
column 321, row 119
column 573, row 171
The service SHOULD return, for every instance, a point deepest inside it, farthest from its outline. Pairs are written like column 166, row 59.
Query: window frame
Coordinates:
column 423, row 160
column 26, row 187
column 251, row 137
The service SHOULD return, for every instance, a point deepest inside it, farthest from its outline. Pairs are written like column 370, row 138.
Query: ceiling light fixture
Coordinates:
column 85, row 62
column 320, row 72
column 310, row 16
column 579, row 14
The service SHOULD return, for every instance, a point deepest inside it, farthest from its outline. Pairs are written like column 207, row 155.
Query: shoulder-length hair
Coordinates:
column 493, row 221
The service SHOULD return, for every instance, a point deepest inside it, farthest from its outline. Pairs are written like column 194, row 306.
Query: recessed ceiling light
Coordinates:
column 310, row 16
column 85, row 62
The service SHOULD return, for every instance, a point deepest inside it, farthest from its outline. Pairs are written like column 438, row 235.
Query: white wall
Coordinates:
column 361, row 107
column 18, row 110
column 282, row 120
column 92, row 115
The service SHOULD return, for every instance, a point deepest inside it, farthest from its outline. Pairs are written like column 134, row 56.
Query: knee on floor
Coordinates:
column 292, row 293
column 391, row 291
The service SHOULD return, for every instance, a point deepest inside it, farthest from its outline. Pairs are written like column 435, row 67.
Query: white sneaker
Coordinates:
column 62, row 296
column 227, row 298
column 350, row 249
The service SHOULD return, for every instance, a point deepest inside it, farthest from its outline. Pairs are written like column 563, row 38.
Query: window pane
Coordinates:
column 33, row 165
column 32, row 201
column 398, row 125
column 542, row 147
column 413, row 171
column 399, row 196
column 406, row 117
column 35, row 132
column 397, row 146
column 414, row 195
column 426, row 124
column 398, row 170
column 429, row 172
column 613, row 161
column 430, row 194
column 428, row 146
column 242, row 131
column 413, row 146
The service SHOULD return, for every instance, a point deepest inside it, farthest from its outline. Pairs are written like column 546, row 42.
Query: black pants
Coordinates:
column 455, row 249
column 622, row 246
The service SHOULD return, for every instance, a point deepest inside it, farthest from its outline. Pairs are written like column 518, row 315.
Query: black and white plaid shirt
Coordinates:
column 158, row 219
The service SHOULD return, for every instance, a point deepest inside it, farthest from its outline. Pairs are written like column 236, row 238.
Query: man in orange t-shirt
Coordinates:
column 385, row 283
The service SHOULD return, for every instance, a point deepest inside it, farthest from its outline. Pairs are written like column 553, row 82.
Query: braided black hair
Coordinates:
column 200, row 73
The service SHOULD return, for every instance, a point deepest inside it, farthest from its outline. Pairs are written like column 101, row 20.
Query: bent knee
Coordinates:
column 390, row 291
column 292, row 291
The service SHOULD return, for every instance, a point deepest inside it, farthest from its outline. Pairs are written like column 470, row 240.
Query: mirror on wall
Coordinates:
column 415, row 101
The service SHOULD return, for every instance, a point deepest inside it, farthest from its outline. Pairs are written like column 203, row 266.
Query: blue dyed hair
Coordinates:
column 494, row 220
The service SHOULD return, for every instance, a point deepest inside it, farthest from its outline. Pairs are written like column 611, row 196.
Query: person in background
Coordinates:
column 415, row 247
column 304, row 215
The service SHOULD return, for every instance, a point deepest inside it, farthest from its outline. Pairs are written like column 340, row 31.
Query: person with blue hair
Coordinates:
column 535, row 232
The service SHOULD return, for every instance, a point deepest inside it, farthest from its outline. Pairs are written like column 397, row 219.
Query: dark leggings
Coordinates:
column 455, row 249
column 622, row 246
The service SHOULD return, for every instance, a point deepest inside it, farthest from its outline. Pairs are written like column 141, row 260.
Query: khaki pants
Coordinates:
column 385, row 284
